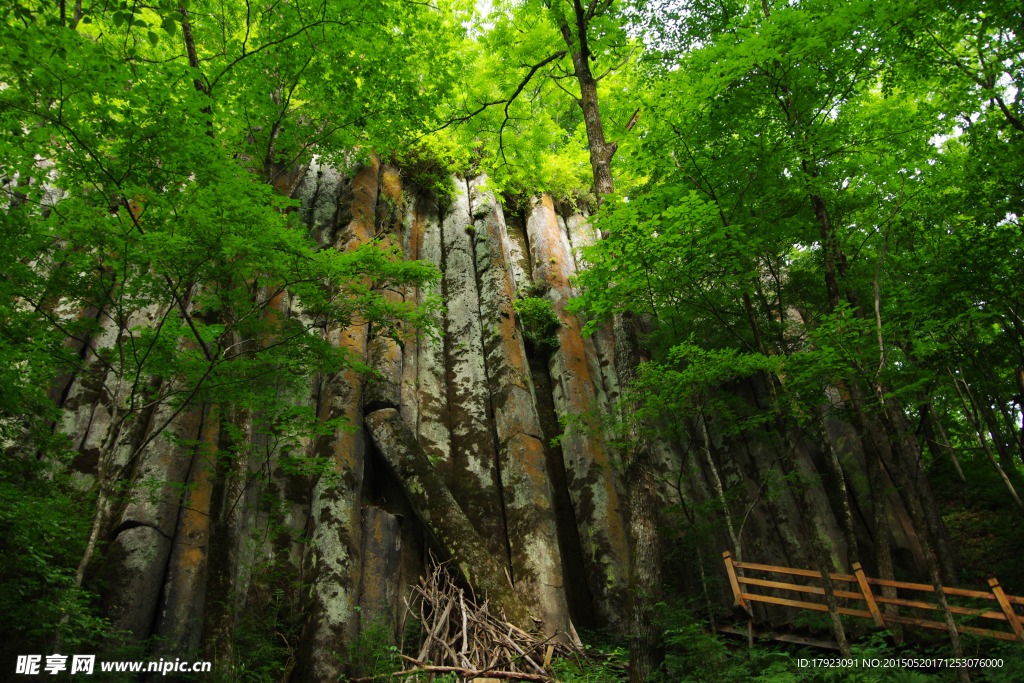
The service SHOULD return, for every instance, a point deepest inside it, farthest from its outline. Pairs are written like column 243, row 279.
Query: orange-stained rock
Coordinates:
column 591, row 471
column 526, row 485
column 379, row 601
column 335, row 510
column 179, row 622
column 385, row 356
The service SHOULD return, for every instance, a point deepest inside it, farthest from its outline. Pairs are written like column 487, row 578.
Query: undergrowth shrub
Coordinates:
column 540, row 323
column 374, row 653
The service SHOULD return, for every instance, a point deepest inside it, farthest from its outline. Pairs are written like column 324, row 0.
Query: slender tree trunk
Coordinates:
column 917, row 515
column 979, row 435
column 879, row 497
column 817, row 542
column 837, row 473
column 645, row 650
column 933, row 419
column 225, row 508
column 601, row 152
column 716, row 482
column 645, row 556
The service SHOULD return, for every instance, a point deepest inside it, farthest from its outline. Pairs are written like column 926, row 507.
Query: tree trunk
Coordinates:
column 933, row 428
column 601, row 152
column 645, row 648
column 979, row 435
column 918, row 515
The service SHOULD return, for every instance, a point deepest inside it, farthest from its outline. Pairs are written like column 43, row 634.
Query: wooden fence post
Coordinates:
column 869, row 597
column 739, row 596
column 1011, row 615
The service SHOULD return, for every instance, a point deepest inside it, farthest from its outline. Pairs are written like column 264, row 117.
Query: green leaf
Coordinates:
column 153, row 38
column 169, row 26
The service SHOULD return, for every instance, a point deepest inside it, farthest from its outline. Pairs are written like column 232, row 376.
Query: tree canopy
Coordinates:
column 822, row 194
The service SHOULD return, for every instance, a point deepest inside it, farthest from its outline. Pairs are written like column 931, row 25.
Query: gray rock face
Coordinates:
column 450, row 527
column 379, row 599
column 431, row 395
column 136, row 557
column 179, row 622
column 471, row 473
column 526, row 484
column 335, row 565
column 162, row 466
column 447, row 454
column 593, row 479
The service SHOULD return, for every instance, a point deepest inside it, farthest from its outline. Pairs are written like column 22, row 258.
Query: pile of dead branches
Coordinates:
column 460, row 636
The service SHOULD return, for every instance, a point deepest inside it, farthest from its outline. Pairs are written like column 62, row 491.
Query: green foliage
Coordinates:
column 373, row 654
column 146, row 245
column 39, row 514
column 431, row 165
column 603, row 661
column 540, row 323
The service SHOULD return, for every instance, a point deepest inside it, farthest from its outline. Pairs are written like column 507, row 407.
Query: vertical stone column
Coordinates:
column 526, row 485
column 593, row 479
column 385, row 355
column 379, row 600
column 431, row 396
column 137, row 557
column 179, row 622
column 471, row 474
column 335, row 511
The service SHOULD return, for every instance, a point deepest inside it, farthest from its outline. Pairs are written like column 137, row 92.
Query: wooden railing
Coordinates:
column 864, row 594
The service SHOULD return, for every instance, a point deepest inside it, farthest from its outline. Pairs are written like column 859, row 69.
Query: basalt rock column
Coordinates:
column 379, row 601
column 471, row 473
column 180, row 620
column 449, row 527
column 591, row 472
column 526, row 484
column 137, row 557
column 431, row 392
column 385, row 356
column 335, row 563
column 581, row 234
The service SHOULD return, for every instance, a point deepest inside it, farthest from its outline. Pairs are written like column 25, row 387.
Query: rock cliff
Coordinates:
column 449, row 453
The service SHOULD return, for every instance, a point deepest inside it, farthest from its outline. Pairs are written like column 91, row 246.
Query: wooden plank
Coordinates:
column 738, row 593
column 797, row 588
column 864, row 582
column 795, row 572
column 940, row 626
column 1011, row 616
column 962, row 592
column 866, row 594
column 952, row 608
column 805, row 605
column 729, row 568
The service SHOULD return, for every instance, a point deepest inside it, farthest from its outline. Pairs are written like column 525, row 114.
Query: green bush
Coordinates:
column 540, row 323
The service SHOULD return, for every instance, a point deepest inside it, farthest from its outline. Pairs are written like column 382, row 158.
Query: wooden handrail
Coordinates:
column 865, row 594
